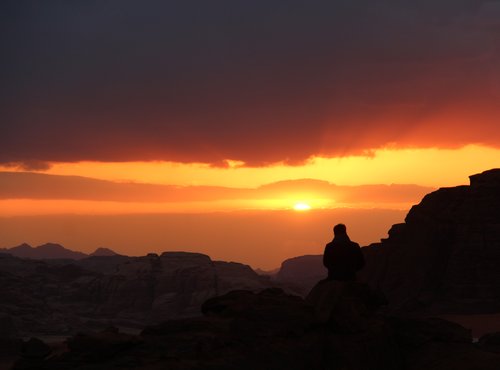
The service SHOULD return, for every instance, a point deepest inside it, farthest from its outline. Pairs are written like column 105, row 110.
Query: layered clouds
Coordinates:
column 257, row 82
column 283, row 194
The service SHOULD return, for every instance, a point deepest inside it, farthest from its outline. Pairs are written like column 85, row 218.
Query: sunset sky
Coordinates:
column 200, row 125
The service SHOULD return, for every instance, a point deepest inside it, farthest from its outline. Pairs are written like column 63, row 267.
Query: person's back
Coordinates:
column 342, row 257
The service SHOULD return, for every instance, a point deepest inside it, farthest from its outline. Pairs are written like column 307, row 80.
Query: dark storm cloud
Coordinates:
column 257, row 81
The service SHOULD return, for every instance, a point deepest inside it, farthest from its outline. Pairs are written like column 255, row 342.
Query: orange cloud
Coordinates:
column 34, row 193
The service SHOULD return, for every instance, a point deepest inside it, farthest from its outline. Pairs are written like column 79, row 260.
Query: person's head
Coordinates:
column 339, row 229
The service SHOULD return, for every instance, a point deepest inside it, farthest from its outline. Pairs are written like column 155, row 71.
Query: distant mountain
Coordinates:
column 103, row 252
column 272, row 272
column 45, row 251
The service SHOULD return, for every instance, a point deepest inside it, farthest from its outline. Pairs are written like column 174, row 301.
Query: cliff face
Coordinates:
column 446, row 256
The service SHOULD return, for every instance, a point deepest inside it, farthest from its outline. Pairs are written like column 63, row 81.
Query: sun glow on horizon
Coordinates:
column 301, row 206
column 315, row 185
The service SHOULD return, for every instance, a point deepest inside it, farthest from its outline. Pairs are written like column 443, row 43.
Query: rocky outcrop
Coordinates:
column 102, row 264
column 273, row 330
column 174, row 284
column 490, row 342
column 233, row 275
column 445, row 257
column 57, row 297
column 300, row 274
column 9, row 342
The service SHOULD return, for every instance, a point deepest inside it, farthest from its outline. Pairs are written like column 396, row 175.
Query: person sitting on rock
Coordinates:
column 342, row 257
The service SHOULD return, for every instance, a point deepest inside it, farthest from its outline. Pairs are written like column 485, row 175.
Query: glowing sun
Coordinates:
column 301, row 207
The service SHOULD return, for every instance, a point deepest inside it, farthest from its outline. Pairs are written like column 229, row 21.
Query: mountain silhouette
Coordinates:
column 45, row 251
column 103, row 252
column 54, row 251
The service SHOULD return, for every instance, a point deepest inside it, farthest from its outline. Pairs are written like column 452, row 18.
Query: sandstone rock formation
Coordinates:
column 490, row 342
column 301, row 273
column 446, row 256
column 233, row 275
column 57, row 297
column 102, row 264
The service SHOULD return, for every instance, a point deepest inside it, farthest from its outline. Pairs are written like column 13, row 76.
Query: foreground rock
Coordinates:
column 490, row 342
column 10, row 345
column 273, row 330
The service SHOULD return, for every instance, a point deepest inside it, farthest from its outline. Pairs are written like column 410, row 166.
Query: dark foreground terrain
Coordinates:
column 335, row 328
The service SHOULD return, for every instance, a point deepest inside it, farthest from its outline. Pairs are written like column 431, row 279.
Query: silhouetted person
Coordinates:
column 342, row 257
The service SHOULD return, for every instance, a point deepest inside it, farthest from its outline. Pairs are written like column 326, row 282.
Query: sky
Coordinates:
column 219, row 111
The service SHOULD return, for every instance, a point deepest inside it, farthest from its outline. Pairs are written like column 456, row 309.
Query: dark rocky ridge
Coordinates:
column 64, row 296
column 446, row 256
column 102, row 252
column 301, row 273
column 45, row 251
column 53, row 251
